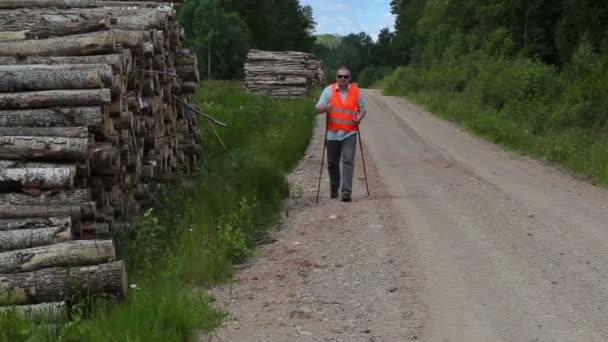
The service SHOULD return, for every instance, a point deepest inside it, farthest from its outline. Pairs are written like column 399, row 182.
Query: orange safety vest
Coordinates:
column 342, row 114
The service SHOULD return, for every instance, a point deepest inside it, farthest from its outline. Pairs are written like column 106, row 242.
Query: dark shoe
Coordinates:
column 346, row 198
column 334, row 194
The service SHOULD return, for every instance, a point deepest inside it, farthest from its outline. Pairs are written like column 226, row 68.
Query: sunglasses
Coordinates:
column 343, row 76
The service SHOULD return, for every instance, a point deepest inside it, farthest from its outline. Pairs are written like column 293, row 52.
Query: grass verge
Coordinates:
column 199, row 228
column 521, row 104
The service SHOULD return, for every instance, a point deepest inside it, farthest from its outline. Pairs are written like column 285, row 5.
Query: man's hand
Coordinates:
column 324, row 109
column 358, row 117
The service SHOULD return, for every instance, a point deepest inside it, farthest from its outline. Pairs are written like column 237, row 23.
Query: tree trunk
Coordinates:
column 11, row 240
column 131, row 4
column 53, row 117
column 47, row 197
column 29, row 24
column 61, row 283
column 76, row 212
column 35, row 223
column 71, row 253
column 76, row 45
column 133, row 40
column 62, row 132
column 122, row 18
column 43, row 148
column 15, row 78
column 15, row 179
column 55, row 98
column 54, row 312
column 46, row 3
column 115, row 60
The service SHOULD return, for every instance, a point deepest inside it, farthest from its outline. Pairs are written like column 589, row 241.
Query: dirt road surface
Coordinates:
column 459, row 241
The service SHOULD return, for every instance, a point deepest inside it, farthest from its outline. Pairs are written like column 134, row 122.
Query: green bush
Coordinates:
column 371, row 75
column 521, row 103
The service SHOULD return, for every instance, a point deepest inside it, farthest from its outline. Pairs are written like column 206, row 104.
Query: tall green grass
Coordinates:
column 555, row 115
column 199, row 227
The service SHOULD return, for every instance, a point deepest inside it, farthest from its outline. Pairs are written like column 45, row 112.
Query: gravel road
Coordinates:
column 459, row 241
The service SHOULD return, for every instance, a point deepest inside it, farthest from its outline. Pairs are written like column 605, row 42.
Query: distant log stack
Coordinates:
column 93, row 106
column 282, row 74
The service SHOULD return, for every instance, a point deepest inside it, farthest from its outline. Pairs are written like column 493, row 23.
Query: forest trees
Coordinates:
column 229, row 28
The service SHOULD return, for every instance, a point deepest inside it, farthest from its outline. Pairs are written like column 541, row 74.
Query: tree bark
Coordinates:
column 33, row 24
column 76, row 212
column 63, row 132
column 35, row 223
column 53, row 117
column 11, row 240
column 71, row 253
column 115, row 60
column 15, row 78
column 82, row 168
column 55, row 98
column 132, row 4
column 46, row 3
column 54, row 312
column 61, row 283
column 47, row 197
column 43, row 148
column 76, row 45
column 48, row 178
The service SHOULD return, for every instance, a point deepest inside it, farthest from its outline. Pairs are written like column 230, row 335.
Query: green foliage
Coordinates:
column 521, row 103
column 529, row 74
column 354, row 52
column 199, row 227
column 232, row 27
column 331, row 41
column 372, row 75
column 542, row 29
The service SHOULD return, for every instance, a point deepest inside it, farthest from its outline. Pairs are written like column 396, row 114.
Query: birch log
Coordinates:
column 46, row 3
column 15, row 78
column 53, row 117
column 76, row 45
column 63, row 132
column 124, row 18
column 60, row 283
column 35, row 223
column 27, row 24
column 47, row 197
column 26, row 238
column 76, row 212
column 44, row 313
column 117, row 61
column 71, row 253
column 55, row 98
column 42, row 148
column 14, row 179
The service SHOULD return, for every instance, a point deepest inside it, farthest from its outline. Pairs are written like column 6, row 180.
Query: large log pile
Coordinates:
column 282, row 74
column 94, row 99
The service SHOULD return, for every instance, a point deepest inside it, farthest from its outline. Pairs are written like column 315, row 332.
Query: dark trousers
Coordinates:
column 345, row 151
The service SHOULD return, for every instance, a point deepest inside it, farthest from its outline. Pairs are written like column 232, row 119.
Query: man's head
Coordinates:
column 343, row 76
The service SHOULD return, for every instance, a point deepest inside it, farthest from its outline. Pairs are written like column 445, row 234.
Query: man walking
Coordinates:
column 345, row 108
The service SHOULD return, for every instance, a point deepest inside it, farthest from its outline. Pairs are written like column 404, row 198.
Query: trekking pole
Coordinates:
column 363, row 160
column 322, row 161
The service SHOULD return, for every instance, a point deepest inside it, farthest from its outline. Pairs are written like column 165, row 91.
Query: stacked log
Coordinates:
column 282, row 74
column 94, row 102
